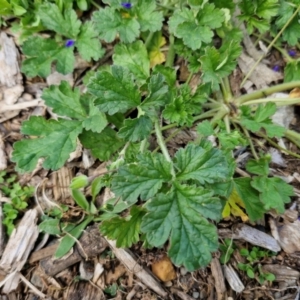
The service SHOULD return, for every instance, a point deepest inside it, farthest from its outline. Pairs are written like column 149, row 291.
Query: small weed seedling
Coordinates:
column 17, row 196
column 253, row 267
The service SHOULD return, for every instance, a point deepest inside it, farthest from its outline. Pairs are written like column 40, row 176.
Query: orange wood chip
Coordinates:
column 163, row 269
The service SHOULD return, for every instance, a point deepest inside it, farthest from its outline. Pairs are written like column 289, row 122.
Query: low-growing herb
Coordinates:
column 161, row 196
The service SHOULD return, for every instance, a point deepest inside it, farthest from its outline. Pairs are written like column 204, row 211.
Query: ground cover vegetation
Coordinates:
column 159, row 198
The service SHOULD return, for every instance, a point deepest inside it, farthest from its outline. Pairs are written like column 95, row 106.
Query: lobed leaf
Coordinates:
column 180, row 215
column 124, row 230
column 102, row 145
column 136, row 129
column 143, row 178
column 134, row 57
column 88, row 43
column 42, row 53
column 56, row 139
column 66, row 24
column 69, row 103
column 115, row 91
column 203, row 165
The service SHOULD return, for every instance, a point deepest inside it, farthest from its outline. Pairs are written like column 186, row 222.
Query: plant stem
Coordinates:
column 227, row 123
column 246, row 132
column 161, row 143
column 277, row 101
column 95, row 4
column 271, row 44
column 226, row 90
column 149, row 39
column 266, row 92
column 206, row 115
column 170, row 137
column 171, row 52
column 143, row 145
column 283, row 52
column 293, row 136
column 277, row 146
column 221, row 113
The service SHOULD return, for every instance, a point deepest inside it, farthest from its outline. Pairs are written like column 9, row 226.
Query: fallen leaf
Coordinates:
column 156, row 56
column 235, row 206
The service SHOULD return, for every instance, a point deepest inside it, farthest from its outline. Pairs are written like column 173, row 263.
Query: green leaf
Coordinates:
column 50, row 226
column 274, row 192
column 168, row 73
column 261, row 119
column 88, row 43
column 195, row 31
column 5, row 8
column 193, row 35
column 180, row 215
column 270, row 276
column 290, row 34
column 250, row 272
column 250, row 197
column 136, row 129
column 218, row 63
column 263, row 113
column 69, row 240
column 244, row 252
column 96, row 186
column 260, row 166
column 103, row 145
column 148, row 19
column 67, row 25
column 231, row 140
column 56, row 139
column 195, row 162
column 80, row 199
column 66, row 102
column 292, row 71
column 42, row 53
column 124, row 231
column 257, row 14
column 115, row 92
column 157, row 93
column 79, row 182
column 205, row 128
column 143, row 178
column 110, row 22
column 134, row 57
column 175, row 112
column 184, row 106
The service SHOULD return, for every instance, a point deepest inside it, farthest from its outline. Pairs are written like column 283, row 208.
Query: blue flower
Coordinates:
column 126, row 5
column 292, row 53
column 69, row 43
column 276, row 68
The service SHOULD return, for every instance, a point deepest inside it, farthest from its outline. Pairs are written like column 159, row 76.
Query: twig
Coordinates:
column 22, row 105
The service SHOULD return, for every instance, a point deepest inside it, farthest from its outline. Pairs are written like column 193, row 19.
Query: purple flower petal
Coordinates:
column 292, row 53
column 276, row 68
column 126, row 5
column 69, row 43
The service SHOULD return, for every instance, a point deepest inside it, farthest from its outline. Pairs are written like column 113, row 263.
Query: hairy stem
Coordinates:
column 277, row 146
column 246, row 132
column 148, row 39
column 293, row 136
column 171, row 52
column 161, row 143
column 277, row 101
column 266, row 92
